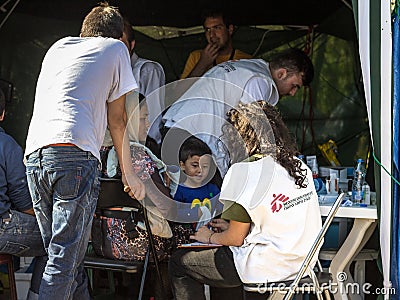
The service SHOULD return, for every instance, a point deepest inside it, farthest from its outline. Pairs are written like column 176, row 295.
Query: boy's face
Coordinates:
column 196, row 168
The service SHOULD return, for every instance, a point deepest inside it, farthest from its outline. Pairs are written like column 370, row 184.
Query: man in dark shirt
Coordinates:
column 19, row 231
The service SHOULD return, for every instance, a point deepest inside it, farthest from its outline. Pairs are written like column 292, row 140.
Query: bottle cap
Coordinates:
column 360, row 160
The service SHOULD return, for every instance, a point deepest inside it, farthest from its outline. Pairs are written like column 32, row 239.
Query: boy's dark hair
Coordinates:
column 2, row 102
column 294, row 60
column 193, row 146
column 103, row 20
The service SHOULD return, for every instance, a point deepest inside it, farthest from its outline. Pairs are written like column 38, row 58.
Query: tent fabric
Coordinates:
column 375, row 47
column 337, row 110
column 181, row 13
column 395, row 256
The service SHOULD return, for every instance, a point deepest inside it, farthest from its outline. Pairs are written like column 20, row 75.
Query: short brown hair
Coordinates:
column 294, row 60
column 103, row 20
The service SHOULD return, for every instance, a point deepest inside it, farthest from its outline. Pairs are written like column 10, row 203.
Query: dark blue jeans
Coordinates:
column 189, row 270
column 21, row 237
column 64, row 185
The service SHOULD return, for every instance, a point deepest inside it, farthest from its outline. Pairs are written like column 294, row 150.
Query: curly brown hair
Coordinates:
column 257, row 128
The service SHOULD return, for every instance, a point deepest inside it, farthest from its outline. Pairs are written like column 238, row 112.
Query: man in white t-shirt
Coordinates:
column 202, row 109
column 81, row 87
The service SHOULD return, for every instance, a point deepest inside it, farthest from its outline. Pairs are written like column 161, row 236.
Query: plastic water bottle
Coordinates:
column 366, row 193
column 359, row 177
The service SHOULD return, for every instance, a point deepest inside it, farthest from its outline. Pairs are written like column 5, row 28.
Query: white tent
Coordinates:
column 376, row 63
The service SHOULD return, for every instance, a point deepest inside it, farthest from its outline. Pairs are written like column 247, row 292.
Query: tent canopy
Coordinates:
column 336, row 108
column 180, row 13
column 337, row 103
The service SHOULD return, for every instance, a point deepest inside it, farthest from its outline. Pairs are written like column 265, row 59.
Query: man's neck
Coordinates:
column 226, row 50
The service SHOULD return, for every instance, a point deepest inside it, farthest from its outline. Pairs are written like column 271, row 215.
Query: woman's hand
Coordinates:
column 202, row 235
column 219, row 225
column 233, row 235
column 134, row 186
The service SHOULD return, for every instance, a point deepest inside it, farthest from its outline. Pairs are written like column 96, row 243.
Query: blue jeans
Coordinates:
column 64, row 185
column 21, row 237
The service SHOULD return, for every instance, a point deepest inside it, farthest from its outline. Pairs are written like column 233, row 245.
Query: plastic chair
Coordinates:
column 359, row 262
column 315, row 282
column 112, row 195
column 8, row 259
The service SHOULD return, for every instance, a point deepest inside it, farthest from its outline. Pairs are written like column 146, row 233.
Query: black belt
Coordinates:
column 120, row 214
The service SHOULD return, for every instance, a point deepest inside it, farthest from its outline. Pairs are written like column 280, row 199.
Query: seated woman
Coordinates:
column 271, row 215
column 127, row 239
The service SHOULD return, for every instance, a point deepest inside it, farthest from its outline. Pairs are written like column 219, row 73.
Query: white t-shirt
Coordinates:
column 202, row 109
column 151, row 78
column 285, row 220
column 78, row 77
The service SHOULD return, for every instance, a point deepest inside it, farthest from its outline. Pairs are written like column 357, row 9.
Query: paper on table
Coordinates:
column 205, row 217
column 198, row 245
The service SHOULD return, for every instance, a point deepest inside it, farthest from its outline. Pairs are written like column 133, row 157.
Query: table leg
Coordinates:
column 343, row 283
column 359, row 274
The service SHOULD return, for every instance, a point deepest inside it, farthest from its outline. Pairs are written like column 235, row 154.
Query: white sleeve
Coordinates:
column 259, row 88
column 124, row 81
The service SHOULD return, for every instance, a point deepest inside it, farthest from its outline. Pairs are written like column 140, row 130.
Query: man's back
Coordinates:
column 225, row 83
column 148, row 74
column 202, row 109
column 78, row 77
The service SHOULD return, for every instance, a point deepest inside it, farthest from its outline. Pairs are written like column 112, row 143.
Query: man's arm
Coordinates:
column 207, row 57
column 14, row 186
column 116, row 116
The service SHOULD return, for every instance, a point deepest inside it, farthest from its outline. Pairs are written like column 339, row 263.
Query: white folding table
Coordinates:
column 364, row 224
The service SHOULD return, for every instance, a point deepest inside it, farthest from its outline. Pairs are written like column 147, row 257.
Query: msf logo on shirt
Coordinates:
column 278, row 202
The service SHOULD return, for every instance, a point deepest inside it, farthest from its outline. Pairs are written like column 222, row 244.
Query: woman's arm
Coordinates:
column 233, row 236
column 116, row 117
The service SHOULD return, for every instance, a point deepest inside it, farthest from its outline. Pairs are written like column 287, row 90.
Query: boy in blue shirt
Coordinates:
column 198, row 169
column 196, row 189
